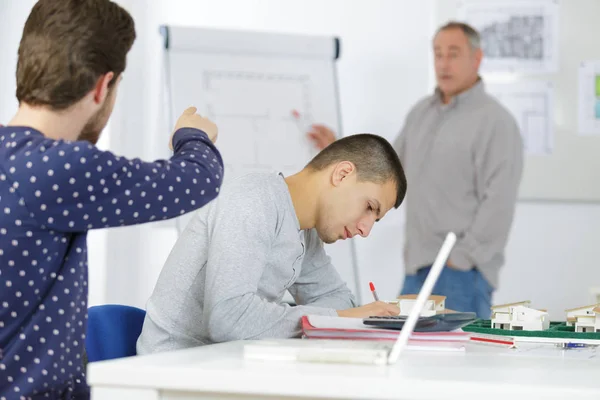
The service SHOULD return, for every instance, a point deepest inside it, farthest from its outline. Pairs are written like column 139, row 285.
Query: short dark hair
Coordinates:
column 67, row 45
column 470, row 32
column 374, row 157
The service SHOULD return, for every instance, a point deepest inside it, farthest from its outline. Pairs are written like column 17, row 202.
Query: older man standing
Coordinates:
column 463, row 157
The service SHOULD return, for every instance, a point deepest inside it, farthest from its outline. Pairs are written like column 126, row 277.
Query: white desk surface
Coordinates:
column 481, row 373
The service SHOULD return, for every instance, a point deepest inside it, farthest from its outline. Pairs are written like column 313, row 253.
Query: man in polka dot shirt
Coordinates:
column 55, row 185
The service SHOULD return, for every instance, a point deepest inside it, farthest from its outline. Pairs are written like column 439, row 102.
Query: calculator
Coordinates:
column 435, row 323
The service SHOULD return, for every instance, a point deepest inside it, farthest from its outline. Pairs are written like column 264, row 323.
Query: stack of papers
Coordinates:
column 324, row 327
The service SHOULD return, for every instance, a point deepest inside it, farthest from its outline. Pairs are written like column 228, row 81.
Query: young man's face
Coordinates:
column 352, row 207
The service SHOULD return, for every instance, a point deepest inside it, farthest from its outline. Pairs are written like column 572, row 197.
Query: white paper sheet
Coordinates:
column 551, row 350
column 531, row 103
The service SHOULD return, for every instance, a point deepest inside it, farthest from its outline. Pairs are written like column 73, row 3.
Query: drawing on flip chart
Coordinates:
column 261, row 123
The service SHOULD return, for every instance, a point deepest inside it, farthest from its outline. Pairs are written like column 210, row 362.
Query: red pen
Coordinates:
column 373, row 291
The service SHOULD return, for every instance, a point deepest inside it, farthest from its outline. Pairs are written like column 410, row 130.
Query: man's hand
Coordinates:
column 189, row 119
column 321, row 136
column 377, row 309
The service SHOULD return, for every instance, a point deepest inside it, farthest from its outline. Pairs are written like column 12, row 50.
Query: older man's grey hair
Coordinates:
column 470, row 32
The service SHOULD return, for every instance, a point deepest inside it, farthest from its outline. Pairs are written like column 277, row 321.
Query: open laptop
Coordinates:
column 354, row 352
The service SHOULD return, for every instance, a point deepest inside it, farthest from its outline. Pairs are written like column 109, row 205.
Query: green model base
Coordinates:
column 556, row 330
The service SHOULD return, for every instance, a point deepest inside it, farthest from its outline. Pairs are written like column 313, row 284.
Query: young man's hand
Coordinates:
column 189, row 119
column 376, row 309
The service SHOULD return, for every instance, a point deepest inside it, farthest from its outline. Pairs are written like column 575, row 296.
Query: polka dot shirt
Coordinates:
column 51, row 193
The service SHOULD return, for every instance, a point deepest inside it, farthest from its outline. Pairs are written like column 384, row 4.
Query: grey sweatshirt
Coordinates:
column 228, row 272
column 463, row 163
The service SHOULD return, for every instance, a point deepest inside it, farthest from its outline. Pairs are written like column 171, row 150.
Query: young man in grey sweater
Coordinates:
column 463, row 155
column 228, row 272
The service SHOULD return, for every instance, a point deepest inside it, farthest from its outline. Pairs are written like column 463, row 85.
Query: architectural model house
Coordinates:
column 574, row 312
column 519, row 316
column 585, row 319
column 529, row 319
column 434, row 305
column 501, row 314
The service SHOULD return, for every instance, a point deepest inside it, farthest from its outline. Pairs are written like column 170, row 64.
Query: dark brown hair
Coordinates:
column 374, row 157
column 67, row 45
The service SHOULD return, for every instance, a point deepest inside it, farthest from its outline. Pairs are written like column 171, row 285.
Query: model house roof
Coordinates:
column 529, row 310
column 511, row 304
column 447, row 311
column 582, row 308
column 436, row 299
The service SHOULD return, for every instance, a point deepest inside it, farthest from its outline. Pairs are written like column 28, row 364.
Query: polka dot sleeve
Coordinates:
column 74, row 186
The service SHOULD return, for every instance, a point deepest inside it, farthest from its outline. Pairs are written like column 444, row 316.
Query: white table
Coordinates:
column 480, row 373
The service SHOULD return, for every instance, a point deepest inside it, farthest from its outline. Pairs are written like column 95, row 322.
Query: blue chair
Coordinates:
column 113, row 331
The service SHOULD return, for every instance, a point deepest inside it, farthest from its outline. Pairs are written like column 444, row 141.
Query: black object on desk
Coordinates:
column 435, row 323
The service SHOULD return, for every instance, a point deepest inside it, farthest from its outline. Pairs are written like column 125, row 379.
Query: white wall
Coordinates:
column 552, row 256
column 13, row 14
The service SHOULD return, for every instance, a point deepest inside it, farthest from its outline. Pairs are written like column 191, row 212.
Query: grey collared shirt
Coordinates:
column 226, row 277
column 463, row 162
